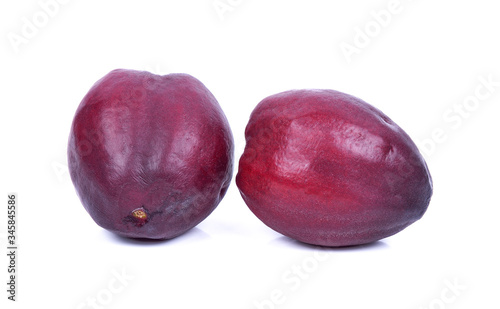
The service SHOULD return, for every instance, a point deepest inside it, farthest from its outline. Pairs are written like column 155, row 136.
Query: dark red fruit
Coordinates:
column 326, row 168
column 150, row 156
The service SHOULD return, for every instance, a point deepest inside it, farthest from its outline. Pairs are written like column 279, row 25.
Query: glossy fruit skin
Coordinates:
column 328, row 169
column 150, row 156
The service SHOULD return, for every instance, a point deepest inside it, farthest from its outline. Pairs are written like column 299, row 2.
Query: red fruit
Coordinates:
column 326, row 168
column 150, row 156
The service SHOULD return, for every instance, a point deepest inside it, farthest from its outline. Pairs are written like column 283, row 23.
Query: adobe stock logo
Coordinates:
column 449, row 294
column 30, row 27
column 105, row 296
column 222, row 7
column 293, row 278
column 456, row 115
column 364, row 35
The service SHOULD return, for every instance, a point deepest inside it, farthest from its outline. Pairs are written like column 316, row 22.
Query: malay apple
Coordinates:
column 150, row 156
column 326, row 168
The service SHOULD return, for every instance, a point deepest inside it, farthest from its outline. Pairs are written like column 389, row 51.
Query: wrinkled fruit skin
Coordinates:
column 150, row 156
column 328, row 169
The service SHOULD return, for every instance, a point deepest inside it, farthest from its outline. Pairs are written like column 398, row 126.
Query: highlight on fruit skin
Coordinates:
column 150, row 156
column 326, row 168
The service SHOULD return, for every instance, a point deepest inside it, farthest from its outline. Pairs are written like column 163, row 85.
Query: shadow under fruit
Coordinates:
column 150, row 156
column 326, row 168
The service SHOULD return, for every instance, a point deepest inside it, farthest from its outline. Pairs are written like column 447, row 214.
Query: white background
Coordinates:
column 421, row 67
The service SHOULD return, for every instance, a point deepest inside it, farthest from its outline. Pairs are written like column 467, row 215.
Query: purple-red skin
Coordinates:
column 328, row 169
column 150, row 156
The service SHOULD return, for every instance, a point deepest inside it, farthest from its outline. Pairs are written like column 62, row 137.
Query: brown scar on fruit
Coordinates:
column 138, row 216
